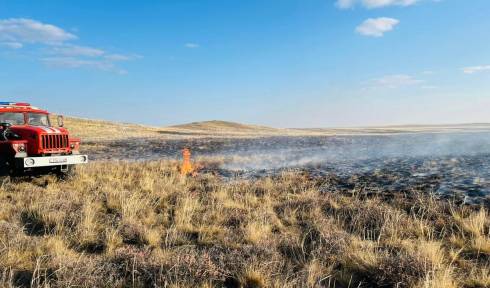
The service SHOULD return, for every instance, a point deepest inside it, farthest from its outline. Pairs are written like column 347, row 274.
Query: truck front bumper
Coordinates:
column 33, row 162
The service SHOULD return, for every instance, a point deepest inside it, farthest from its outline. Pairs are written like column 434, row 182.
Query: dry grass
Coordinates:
column 119, row 224
column 91, row 129
column 216, row 126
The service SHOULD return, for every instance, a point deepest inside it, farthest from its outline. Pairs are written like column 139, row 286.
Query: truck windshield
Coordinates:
column 38, row 119
column 12, row 118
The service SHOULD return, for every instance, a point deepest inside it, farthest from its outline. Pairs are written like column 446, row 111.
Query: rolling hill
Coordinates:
column 89, row 129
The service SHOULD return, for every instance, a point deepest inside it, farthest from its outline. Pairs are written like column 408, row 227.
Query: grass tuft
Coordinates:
column 140, row 224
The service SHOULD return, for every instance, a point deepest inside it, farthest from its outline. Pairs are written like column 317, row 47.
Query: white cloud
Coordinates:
column 72, row 56
column 394, row 81
column 75, row 50
column 72, row 62
column 57, row 45
column 192, row 45
column 21, row 30
column 384, row 3
column 476, row 69
column 12, row 45
column 376, row 27
column 117, row 57
column 345, row 4
column 86, row 57
column 121, row 57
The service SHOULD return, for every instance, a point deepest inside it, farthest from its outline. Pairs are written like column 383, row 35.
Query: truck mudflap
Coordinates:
column 33, row 162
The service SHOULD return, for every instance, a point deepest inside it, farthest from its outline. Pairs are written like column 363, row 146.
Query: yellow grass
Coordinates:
column 105, row 130
column 122, row 224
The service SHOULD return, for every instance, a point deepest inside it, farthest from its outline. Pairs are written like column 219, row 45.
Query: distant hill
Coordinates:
column 222, row 126
column 89, row 130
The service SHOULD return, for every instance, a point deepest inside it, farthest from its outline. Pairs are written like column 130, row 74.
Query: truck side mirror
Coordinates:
column 5, row 128
column 61, row 122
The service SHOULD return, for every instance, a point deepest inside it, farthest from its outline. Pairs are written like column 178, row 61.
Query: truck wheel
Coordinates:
column 4, row 172
column 4, row 180
column 66, row 173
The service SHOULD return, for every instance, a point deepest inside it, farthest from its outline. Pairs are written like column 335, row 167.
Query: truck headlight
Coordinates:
column 83, row 158
column 29, row 162
column 19, row 147
column 75, row 145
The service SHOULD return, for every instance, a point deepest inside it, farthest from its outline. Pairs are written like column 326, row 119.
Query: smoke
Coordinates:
column 453, row 165
column 283, row 152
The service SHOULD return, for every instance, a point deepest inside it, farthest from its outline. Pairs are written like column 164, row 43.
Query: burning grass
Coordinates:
column 120, row 224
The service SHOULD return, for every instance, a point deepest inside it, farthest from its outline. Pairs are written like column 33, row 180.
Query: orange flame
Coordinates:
column 186, row 168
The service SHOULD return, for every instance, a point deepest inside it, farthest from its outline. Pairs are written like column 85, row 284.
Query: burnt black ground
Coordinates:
column 451, row 165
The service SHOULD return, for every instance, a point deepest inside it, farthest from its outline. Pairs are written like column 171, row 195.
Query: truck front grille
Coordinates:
column 51, row 142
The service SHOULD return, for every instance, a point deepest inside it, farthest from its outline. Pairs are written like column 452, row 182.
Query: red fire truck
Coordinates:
column 30, row 144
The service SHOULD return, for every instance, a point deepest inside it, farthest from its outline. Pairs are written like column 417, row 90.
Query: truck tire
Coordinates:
column 66, row 174
column 4, row 180
column 4, row 172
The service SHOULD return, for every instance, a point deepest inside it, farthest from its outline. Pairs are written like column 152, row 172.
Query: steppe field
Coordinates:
column 404, row 206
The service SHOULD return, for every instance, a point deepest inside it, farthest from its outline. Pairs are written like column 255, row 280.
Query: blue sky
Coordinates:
column 282, row 63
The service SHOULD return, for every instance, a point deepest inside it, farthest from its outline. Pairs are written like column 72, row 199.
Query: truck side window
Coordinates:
column 38, row 119
column 12, row 118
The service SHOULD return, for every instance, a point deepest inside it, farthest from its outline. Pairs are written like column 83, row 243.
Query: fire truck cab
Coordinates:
column 29, row 144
